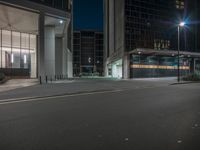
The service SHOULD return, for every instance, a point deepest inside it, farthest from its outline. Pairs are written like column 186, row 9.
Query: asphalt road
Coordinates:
column 151, row 118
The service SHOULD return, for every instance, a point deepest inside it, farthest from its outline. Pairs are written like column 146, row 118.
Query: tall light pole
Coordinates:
column 181, row 24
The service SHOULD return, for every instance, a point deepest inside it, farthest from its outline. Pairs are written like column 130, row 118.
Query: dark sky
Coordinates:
column 88, row 14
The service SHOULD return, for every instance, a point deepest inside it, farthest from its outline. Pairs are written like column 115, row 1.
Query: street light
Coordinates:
column 181, row 24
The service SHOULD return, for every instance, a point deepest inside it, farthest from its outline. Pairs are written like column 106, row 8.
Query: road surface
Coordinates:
column 163, row 117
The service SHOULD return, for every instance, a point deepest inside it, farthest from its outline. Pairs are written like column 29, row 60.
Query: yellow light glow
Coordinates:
column 159, row 67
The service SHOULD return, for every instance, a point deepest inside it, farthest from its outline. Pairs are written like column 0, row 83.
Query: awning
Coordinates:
column 144, row 51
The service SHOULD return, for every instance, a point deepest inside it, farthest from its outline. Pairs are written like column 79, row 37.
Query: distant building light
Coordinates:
column 61, row 21
column 89, row 60
column 25, row 59
column 12, row 58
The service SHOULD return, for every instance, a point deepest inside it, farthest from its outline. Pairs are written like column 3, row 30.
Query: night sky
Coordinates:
column 88, row 14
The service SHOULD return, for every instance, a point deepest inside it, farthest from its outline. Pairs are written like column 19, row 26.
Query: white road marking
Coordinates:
column 179, row 141
column 31, row 99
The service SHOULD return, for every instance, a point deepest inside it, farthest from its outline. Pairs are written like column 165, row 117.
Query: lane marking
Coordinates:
column 31, row 99
column 27, row 99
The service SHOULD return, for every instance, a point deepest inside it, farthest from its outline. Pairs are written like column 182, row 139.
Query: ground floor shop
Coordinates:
column 18, row 53
column 146, row 63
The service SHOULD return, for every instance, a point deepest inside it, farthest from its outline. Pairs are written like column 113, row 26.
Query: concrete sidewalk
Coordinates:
column 17, row 83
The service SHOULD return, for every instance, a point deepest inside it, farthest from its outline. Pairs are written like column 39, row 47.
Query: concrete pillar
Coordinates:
column 126, row 66
column 59, row 56
column 69, row 64
column 67, row 54
column 64, row 55
column 105, row 68
column 49, row 50
column 33, row 65
column 41, row 48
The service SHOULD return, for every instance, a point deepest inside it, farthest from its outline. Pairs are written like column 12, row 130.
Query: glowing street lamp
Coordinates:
column 181, row 24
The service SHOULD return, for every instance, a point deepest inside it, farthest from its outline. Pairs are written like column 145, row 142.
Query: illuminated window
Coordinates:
column 18, row 51
column 161, row 44
column 180, row 4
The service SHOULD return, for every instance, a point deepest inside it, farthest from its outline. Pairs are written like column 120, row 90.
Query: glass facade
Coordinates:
column 18, row 53
column 158, row 66
column 147, row 24
column 87, row 52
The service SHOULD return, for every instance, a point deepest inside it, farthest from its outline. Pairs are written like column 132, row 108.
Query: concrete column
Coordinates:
column 126, row 66
column 33, row 65
column 67, row 54
column 111, row 26
column 69, row 64
column 59, row 56
column 41, row 48
column 49, row 50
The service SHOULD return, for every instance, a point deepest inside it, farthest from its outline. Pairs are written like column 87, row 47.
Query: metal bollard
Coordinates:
column 40, row 80
column 46, row 79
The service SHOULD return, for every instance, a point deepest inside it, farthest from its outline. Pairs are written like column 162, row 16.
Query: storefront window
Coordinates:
column 18, row 51
column 0, row 48
column 6, row 49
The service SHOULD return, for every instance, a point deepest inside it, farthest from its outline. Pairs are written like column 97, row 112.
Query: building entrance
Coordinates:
column 117, row 69
column 17, row 53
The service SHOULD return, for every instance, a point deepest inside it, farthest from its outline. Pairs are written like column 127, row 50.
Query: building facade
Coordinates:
column 88, row 53
column 35, row 38
column 140, row 38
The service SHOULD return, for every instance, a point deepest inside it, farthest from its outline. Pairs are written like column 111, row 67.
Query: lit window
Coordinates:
column 180, row 4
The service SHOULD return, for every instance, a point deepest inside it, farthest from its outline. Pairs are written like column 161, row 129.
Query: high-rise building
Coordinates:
column 140, row 38
column 35, row 38
column 88, row 53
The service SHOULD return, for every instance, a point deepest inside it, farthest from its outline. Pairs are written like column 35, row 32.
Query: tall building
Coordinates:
column 35, row 38
column 141, row 38
column 88, row 53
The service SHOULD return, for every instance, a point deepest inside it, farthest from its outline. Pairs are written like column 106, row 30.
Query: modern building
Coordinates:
column 88, row 53
column 140, row 38
column 35, row 38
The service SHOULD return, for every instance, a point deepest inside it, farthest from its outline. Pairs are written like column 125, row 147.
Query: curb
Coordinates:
column 190, row 82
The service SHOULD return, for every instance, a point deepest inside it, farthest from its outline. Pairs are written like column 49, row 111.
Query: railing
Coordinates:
column 49, row 79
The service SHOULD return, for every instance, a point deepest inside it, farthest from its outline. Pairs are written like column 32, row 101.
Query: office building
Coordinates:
column 140, row 38
column 35, row 38
column 88, row 53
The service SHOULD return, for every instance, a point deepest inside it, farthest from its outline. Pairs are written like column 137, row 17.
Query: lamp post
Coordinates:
column 181, row 24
